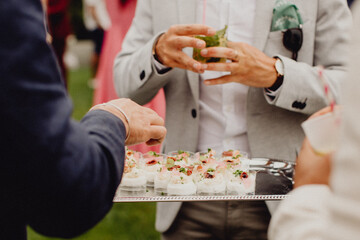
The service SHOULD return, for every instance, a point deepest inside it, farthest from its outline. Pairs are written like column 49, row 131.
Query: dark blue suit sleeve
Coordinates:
column 57, row 175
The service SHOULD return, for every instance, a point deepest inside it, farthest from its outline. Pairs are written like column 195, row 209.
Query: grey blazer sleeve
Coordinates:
column 330, row 48
column 135, row 75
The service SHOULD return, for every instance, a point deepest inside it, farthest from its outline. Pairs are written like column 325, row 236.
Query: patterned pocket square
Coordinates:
column 285, row 16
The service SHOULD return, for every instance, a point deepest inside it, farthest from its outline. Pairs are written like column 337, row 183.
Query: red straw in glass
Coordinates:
column 204, row 12
column 327, row 90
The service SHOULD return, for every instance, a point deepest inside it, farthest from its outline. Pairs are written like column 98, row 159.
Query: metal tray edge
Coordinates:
column 198, row 198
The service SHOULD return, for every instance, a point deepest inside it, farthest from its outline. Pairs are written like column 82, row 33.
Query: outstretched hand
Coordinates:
column 312, row 168
column 142, row 125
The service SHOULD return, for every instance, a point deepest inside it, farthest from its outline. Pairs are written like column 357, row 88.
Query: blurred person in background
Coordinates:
column 59, row 29
column 325, row 203
column 270, row 86
column 96, row 21
column 57, row 175
column 121, row 14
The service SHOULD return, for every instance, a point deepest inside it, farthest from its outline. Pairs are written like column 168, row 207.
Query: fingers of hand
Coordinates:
column 223, row 67
column 192, row 29
column 177, row 58
column 221, row 80
column 156, row 120
column 153, row 142
column 311, row 168
column 221, row 52
column 233, row 45
column 186, row 62
column 181, row 42
column 321, row 112
column 306, row 150
column 157, row 134
column 235, row 56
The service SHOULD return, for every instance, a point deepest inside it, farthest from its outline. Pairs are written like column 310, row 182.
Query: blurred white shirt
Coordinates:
column 101, row 13
column 223, row 107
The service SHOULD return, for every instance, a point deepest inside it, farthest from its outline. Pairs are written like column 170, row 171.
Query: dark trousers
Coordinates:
column 240, row 220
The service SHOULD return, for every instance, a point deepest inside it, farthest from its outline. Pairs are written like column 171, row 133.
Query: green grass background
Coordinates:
column 125, row 220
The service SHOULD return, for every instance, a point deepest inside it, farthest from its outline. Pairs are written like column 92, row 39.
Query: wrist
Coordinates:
column 109, row 107
column 155, row 49
column 279, row 70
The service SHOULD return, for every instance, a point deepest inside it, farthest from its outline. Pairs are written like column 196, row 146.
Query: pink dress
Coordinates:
column 121, row 18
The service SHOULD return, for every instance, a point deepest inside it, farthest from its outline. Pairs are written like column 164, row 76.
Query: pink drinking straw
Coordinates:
column 204, row 12
column 328, row 93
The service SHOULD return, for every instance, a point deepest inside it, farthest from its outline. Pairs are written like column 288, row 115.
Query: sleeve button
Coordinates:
column 193, row 113
column 142, row 75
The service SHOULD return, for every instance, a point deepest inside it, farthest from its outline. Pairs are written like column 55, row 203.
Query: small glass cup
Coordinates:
column 243, row 184
column 152, row 162
column 250, row 182
column 161, row 181
column 323, row 132
column 132, row 183
column 213, row 13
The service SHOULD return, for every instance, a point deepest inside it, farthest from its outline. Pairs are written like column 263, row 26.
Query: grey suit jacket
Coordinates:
column 273, row 126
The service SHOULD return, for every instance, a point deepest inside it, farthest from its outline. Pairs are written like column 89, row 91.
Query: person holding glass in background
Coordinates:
column 96, row 20
column 271, row 86
column 325, row 201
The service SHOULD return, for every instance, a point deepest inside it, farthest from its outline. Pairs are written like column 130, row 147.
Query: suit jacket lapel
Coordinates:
column 262, row 24
column 186, row 14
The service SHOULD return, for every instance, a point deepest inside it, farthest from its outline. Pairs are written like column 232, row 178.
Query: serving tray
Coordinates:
column 273, row 182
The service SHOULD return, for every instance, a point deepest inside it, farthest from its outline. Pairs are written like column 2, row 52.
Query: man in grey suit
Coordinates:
column 259, row 109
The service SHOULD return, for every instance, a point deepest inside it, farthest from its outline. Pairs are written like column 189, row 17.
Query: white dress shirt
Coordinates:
column 223, row 107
